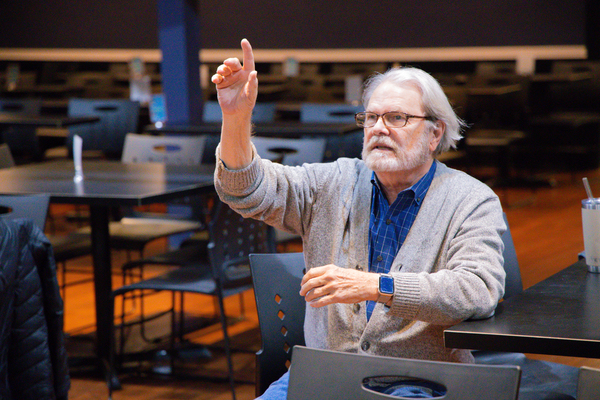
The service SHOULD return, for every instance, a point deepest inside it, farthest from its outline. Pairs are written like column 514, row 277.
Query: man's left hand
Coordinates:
column 330, row 284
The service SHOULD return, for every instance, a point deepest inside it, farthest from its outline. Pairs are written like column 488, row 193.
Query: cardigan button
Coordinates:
column 365, row 345
column 356, row 308
column 359, row 268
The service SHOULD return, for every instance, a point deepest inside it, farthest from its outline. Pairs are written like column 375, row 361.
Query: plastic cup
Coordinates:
column 590, row 217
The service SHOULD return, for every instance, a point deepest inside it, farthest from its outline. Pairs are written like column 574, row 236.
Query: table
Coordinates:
column 558, row 316
column 56, row 91
column 106, row 184
column 7, row 119
column 281, row 129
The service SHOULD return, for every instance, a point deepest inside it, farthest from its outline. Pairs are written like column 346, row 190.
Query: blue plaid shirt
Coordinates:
column 389, row 224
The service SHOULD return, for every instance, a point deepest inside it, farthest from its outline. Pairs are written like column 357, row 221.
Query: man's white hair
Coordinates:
column 435, row 102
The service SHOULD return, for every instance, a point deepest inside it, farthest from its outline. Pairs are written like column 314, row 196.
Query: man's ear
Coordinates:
column 437, row 133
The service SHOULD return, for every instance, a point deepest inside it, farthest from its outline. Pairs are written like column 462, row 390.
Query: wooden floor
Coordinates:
column 546, row 228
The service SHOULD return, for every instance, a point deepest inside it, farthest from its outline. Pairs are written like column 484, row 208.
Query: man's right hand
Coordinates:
column 237, row 88
column 237, row 85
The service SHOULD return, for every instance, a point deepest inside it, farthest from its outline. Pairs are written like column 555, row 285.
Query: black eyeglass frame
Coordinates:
column 382, row 116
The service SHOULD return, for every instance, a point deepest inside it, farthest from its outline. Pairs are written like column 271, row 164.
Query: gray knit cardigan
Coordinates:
column 450, row 267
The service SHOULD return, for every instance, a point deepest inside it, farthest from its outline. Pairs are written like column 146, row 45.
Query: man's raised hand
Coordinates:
column 237, row 84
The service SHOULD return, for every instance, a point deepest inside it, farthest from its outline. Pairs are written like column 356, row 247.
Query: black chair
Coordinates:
column 220, row 269
column 538, row 377
column 22, row 140
column 34, row 207
column 348, row 145
column 331, row 375
column 118, row 117
column 280, row 309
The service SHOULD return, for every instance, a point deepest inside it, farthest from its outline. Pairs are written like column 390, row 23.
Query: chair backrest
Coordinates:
column 21, row 106
column 513, row 284
column 21, row 139
column 276, row 278
column 328, row 113
column 290, row 151
column 232, row 239
column 348, row 145
column 172, row 150
column 118, row 117
column 34, row 207
column 329, row 375
column 262, row 112
column 6, row 158
column 588, row 384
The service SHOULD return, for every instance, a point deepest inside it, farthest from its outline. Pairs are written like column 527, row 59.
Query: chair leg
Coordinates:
column 63, row 286
column 122, row 329
column 181, row 319
column 172, row 339
column 242, row 305
column 227, row 343
column 112, row 381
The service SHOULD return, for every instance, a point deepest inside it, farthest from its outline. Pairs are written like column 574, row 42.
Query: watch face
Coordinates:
column 386, row 284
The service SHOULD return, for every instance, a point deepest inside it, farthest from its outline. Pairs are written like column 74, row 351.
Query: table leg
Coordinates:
column 99, row 218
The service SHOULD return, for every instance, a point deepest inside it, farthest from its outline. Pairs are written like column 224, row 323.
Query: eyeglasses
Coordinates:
column 392, row 119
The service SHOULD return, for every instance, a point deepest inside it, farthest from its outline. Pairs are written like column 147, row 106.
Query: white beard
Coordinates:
column 398, row 159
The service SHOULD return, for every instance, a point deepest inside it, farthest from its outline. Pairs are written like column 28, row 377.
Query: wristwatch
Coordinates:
column 386, row 288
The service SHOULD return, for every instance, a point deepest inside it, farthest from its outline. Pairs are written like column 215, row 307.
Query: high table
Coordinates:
column 281, row 129
column 558, row 316
column 106, row 184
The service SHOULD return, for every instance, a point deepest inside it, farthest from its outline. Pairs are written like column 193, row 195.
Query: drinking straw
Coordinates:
column 588, row 190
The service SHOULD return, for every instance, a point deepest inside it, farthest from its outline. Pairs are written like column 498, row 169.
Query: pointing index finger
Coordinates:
column 248, row 55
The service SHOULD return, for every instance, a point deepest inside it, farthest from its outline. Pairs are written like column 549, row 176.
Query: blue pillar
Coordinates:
column 179, row 39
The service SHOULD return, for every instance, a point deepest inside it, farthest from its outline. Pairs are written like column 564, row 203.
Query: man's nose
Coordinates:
column 380, row 128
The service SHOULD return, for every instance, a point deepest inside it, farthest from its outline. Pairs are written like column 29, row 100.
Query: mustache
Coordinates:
column 381, row 141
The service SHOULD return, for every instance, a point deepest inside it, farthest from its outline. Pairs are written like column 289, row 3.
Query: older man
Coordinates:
column 397, row 245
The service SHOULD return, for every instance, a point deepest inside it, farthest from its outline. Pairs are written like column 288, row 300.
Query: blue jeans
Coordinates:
column 278, row 389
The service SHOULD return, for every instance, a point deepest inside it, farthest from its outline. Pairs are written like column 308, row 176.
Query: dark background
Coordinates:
column 277, row 24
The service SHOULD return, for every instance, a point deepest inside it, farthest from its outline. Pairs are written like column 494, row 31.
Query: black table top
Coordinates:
column 107, row 183
column 8, row 119
column 559, row 316
column 282, row 129
column 559, row 77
